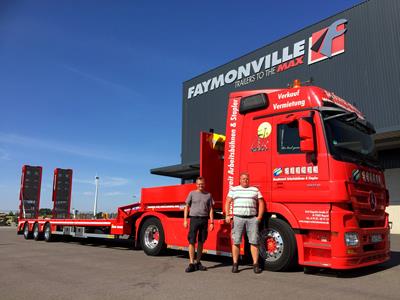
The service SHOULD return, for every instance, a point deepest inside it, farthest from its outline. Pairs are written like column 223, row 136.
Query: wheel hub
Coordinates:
column 151, row 237
column 273, row 245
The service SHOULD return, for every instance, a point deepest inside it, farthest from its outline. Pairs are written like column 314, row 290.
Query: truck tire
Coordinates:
column 27, row 233
column 152, row 239
column 278, row 248
column 37, row 235
column 48, row 237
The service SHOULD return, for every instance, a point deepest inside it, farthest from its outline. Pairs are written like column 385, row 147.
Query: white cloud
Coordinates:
column 88, row 193
column 114, row 194
column 52, row 145
column 114, row 181
column 106, row 182
column 4, row 155
column 108, row 83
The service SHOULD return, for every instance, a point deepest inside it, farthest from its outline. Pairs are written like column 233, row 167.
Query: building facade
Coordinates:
column 354, row 53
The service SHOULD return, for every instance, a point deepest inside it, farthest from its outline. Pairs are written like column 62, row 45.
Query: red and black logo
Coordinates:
column 327, row 42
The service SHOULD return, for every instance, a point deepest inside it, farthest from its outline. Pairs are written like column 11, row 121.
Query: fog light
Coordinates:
column 351, row 239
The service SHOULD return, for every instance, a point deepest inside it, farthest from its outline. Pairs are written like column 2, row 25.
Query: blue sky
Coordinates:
column 96, row 86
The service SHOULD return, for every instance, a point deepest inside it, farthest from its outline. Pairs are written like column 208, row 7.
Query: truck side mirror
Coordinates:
column 306, row 134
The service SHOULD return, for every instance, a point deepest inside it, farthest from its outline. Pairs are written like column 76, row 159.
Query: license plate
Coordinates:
column 376, row 238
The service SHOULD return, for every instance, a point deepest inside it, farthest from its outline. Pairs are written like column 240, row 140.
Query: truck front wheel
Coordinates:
column 278, row 247
column 152, row 239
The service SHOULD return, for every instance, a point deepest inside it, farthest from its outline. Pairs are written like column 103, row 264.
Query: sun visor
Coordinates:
column 253, row 103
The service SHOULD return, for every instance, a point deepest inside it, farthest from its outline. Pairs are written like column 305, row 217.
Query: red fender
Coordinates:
column 157, row 215
column 281, row 209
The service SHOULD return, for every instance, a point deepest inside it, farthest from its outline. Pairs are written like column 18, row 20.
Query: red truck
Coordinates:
column 310, row 153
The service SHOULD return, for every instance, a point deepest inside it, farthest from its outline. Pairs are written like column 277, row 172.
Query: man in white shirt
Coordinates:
column 245, row 199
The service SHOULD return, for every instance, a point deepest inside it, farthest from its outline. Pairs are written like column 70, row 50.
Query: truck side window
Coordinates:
column 288, row 138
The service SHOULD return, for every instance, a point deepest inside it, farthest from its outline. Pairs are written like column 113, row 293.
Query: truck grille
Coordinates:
column 369, row 203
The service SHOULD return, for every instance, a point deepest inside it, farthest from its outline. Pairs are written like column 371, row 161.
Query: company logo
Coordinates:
column 327, row 42
column 322, row 44
column 356, row 174
column 261, row 142
column 372, row 200
column 277, row 171
column 264, row 130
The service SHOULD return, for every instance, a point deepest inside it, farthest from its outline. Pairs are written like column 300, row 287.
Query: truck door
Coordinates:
column 255, row 153
column 300, row 180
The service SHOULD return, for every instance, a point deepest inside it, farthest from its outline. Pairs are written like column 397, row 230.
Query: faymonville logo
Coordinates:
column 322, row 44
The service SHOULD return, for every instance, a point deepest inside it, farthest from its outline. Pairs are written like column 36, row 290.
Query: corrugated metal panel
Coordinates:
column 390, row 159
column 366, row 74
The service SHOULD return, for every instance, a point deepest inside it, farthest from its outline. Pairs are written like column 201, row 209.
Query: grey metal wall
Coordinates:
column 366, row 74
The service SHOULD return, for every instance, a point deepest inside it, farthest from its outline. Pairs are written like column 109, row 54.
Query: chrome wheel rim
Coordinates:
column 35, row 231
column 274, row 245
column 151, row 237
column 47, row 232
column 26, row 230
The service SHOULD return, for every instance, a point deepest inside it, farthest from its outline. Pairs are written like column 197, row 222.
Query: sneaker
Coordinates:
column 200, row 267
column 235, row 268
column 190, row 268
column 257, row 269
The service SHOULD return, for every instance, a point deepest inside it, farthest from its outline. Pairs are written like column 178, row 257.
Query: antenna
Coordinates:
column 96, row 195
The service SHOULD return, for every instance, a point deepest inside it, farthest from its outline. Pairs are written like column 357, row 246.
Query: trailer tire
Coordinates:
column 152, row 238
column 27, row 233
column 278, row 248
column 37, row 235
column 48, row 237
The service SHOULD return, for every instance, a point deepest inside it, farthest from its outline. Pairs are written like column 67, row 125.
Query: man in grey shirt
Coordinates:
column 200, row 204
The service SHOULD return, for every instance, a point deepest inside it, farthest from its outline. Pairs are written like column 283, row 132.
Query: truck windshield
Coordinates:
column 349, row 141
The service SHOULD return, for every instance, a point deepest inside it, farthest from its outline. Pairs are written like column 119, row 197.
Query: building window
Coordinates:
column 288, row 138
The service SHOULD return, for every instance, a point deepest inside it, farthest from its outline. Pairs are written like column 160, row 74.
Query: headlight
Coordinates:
column 351, row 239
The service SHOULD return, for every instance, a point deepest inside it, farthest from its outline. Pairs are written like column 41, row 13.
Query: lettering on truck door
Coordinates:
column 298, row 181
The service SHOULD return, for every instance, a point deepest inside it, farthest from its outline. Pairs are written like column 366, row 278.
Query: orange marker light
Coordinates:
column 296, row 83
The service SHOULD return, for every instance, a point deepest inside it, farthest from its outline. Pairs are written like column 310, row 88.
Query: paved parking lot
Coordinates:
column 72, row 270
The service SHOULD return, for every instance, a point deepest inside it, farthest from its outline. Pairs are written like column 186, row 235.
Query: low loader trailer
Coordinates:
column 309, row 152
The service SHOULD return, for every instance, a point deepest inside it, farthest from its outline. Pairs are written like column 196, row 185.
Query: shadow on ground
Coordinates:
column 214, row 261
column 394, row 261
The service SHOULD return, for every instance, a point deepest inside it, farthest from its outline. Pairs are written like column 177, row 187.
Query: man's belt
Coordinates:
column 244, row 217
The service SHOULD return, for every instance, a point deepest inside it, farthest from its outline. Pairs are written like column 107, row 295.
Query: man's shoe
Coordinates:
column 200, row 267
column 235, row 268
column 190, row 268
column 257, row 269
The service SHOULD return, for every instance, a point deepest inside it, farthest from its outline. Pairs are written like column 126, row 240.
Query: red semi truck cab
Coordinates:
column 313, row 157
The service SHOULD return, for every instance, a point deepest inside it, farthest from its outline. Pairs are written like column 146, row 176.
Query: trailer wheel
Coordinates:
column 36, row 233
column 27, row 233
column 278, row 247
column 48, row 237
column 152, row 239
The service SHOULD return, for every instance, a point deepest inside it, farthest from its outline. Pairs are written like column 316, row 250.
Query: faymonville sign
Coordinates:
column 322, row 44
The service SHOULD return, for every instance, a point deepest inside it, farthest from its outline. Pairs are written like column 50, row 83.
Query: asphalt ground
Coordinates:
column 112, row 270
